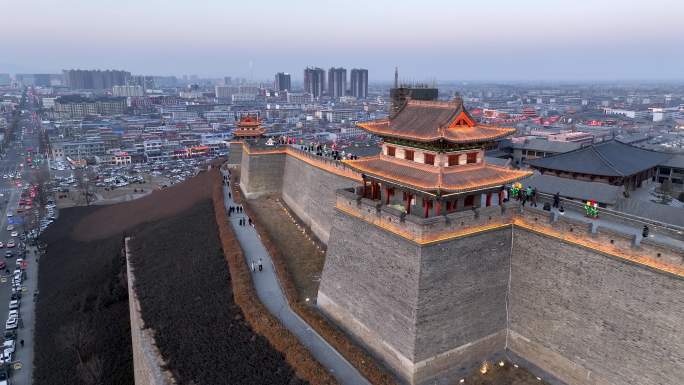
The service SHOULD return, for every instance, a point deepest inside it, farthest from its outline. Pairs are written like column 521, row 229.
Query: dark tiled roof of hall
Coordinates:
column 610, row 158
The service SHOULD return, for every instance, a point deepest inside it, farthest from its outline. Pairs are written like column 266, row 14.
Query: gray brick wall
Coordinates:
column 261, row 174
column 310, row 193
column 590, row 318
column 372, row 276
column 462, row 295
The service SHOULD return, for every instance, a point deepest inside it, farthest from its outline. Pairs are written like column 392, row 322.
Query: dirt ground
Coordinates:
column 157, row 205
column 303, row 254
column 101, row 196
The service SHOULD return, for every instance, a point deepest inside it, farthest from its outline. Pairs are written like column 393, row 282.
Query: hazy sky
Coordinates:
column 427, row 39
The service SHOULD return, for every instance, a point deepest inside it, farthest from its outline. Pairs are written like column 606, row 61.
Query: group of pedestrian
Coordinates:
column 234, row 210
column 528, row 194
column 246, row 220
column 259, row 265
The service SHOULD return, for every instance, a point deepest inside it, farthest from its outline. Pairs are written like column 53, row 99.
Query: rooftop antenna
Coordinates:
column 396, row 77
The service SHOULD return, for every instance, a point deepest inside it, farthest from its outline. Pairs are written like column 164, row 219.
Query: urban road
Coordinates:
column 13, row 162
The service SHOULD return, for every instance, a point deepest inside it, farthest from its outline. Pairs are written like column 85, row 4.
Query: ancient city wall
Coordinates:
column 309, row 191
column 235, row 154
column 462, row 303
column 261, row 173
column 589, row 305
column 589, row 318
column 369, row 286
column 148, row 363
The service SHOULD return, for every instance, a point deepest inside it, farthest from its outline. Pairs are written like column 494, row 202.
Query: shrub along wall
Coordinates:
column 260, row 319
column 358, row 357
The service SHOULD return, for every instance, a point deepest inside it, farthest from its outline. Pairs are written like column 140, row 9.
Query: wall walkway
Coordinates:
column 271, row 295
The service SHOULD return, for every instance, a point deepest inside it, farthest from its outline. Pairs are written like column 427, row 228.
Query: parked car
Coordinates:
column 10, row 227
column 14, row 233
column 2, row 245
column 14, row 304
column 3, row 265
column 9, row 345
column 8, row 254
column 11, row 244
column 11, row 323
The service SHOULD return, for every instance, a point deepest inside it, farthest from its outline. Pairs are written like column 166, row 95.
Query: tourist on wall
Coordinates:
column 260, row 265
column 556, row 200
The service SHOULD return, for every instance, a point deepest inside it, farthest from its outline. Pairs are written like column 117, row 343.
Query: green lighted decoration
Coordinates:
column 516, row 189
column 591, row 208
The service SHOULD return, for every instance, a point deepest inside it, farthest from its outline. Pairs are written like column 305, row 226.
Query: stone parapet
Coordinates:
column 148, row 364
column 425, row 230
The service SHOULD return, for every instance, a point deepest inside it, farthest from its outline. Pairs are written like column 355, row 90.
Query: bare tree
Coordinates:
column 84, row 179
column 79, row 339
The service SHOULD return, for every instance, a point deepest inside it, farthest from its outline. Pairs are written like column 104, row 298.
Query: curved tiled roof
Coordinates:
column 611, row 158
column 427, row 121
column 452, row 179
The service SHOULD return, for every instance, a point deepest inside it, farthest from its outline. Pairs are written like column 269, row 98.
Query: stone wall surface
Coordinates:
column 589, row 318
column 261, row 174
column 310, row 192
column 462, row 297
column 235, row 153
column 148, row 363
column 369, row 286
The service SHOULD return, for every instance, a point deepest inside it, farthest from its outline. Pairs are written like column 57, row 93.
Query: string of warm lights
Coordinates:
column 608, row 249
column 299, row 227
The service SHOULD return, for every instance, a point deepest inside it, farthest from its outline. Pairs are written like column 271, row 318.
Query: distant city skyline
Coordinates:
column 435, row 40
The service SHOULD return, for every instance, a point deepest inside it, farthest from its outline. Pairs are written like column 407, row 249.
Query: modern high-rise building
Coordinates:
column 146, row 82
column 359, row 83
column 337, row 82
column 95, row 79
column 314, row 81
column 128, row 91
column 5, row 80
column 282, row 81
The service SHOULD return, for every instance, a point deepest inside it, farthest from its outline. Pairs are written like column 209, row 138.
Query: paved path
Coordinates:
column 270, row 293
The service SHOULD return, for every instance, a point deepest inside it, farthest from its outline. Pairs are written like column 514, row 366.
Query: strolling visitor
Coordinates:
column 556, row 200
column 645, row 232
column 534, row 197
column 252, row 264
column 261, row 267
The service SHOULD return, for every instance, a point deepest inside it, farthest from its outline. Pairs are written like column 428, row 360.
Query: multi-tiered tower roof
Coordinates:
column 434, row 149
column 249, row 127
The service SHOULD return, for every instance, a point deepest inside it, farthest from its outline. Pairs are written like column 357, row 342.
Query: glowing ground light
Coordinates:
column 461, row 381
column 484, row 368
column 501, row 363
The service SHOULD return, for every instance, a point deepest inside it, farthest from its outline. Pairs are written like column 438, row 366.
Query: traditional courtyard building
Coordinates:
column 611, row 162
column 432, row 160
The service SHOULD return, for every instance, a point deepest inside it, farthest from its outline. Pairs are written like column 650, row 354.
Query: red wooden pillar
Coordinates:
column 387, row 195
column 501, row 195
column 438, row 207
column 426, row 207
column 489, row 199
column 408, row 203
